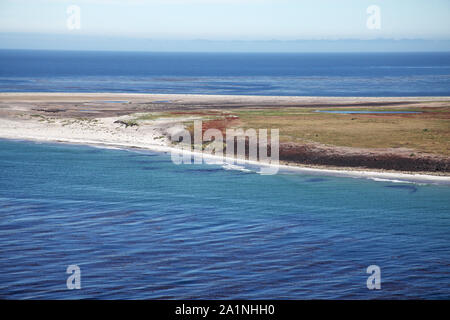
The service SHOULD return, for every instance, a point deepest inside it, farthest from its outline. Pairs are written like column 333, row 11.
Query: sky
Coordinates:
column 30, row 22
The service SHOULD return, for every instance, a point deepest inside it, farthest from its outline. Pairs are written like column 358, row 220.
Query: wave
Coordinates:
column 397, row 181
column 229, row 166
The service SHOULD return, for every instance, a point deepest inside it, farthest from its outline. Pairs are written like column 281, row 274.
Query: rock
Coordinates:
column 126, row 124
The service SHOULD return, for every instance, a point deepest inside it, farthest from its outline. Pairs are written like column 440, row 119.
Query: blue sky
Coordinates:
column 225, row 20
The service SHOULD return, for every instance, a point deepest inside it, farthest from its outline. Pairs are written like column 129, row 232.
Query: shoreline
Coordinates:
column 91, row 119
column 385, row 176
column 228, row 97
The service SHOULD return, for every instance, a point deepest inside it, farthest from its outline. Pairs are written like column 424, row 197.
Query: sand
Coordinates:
column 53, row 117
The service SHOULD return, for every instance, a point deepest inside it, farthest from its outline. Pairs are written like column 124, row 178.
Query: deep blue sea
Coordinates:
column 139, row 226
column 309, row 74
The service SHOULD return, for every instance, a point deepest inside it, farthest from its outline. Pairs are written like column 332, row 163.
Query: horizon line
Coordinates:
column 223, row 52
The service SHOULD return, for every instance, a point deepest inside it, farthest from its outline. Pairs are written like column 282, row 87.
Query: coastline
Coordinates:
column 399, row 177
column 217, row 98
column 26, row 116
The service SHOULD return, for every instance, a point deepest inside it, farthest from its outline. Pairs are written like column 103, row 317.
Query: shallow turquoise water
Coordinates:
column 139, row 226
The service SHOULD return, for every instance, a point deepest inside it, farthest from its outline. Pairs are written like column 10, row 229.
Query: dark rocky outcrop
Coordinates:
column 388, row 159
column 126, row 123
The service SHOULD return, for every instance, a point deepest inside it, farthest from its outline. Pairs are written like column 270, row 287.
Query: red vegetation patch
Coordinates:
column 220, row 124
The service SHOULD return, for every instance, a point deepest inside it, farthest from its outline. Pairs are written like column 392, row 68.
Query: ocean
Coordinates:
column 308, row 74
column 140, row 227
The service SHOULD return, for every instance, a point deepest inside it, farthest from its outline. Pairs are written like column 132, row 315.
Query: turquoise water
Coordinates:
column 139, row 226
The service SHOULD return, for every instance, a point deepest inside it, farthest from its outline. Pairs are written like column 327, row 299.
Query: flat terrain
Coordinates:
column 425, row 132
column 405, row 142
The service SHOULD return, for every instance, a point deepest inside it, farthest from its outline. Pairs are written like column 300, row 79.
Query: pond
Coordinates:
column 367, row 112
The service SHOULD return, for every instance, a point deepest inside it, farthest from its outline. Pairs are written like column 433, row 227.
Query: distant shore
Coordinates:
column 92, row 119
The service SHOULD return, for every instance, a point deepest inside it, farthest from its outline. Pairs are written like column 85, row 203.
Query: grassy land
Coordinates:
column 426, row 132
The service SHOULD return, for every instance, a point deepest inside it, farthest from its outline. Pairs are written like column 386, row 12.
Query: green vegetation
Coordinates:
column 158, row 115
